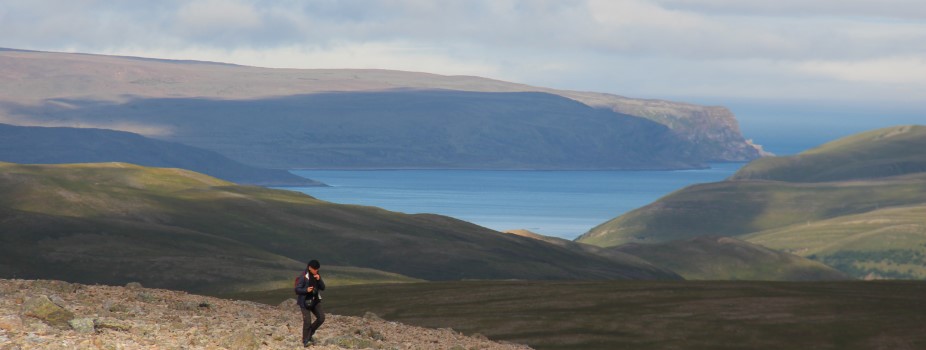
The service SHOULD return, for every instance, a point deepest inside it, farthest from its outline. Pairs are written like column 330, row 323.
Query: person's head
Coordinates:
column 313, row 266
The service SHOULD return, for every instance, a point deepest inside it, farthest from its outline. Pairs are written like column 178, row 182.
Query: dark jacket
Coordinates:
column 303, row 283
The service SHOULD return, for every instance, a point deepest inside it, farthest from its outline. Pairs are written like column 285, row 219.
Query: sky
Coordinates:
column 836, row 66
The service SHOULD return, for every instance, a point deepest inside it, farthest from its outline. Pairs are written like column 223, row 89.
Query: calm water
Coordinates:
column 555, row 203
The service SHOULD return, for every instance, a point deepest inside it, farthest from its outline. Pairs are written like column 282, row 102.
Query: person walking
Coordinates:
column 308, row 286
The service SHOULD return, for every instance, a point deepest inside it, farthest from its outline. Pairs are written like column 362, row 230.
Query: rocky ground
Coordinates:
column 46, row 314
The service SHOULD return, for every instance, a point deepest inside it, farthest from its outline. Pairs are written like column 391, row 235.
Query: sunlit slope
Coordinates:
column 711, row 258
column 108, row 214
column 725, row 258
column 734, row 208
column 855, row 204
column 878, row 153
column 888, row 243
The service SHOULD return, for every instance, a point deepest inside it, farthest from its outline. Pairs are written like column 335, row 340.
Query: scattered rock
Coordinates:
column 371, row 316
column 11, row 324
column 350, row 342
column 288, row 304
column 109, row 323
column 244, row 340
column 82, row 325
column 61, row 287
column 179, row 320
column 370, row 333
column 44, row 309
column 146, row 297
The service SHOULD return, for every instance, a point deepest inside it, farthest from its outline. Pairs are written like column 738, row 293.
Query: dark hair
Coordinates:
column 313, row 264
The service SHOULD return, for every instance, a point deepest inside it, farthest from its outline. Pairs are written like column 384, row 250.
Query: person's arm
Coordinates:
column 319, row 282
column 301, row 286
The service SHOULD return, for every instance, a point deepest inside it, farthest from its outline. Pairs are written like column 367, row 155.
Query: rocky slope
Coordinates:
column 47, row 314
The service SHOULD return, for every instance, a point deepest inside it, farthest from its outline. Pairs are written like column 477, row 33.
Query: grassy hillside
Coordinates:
column 119, row 212
column 39, row 145
column 657, row 315
column 50, row 89
column 866, row 224
column 878, row 153
column 711, row 258
column 725, row 258
column 885, row 243
column 734, row 208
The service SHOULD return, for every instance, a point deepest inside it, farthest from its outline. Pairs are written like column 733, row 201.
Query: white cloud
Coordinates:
column 212, row 16
column 891, row 70
column 644, row 48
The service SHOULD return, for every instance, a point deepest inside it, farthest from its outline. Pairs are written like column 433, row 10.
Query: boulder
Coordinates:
column 82, row 325
column 109, row 323
column 244, row 340
column 288, row 304
column 41, row 307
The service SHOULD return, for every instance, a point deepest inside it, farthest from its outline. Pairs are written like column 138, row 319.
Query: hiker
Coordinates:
column 308, row 286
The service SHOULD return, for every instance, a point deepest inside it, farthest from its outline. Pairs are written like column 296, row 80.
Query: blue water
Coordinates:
column 563, row 204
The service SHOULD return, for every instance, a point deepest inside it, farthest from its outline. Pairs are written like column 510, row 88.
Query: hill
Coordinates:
column 805, row 218
column 725, row 258
column 41, row 145
column 711, row 258
column 403, row 129
column 57, row 89
column 114, row 223
column 883, row 243
column 878, row 153
column 133, row 317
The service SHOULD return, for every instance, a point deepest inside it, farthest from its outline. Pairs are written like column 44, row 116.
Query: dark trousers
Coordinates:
column 309, row 327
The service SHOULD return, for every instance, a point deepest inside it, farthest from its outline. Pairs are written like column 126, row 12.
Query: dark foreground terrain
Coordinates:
column 655, row 315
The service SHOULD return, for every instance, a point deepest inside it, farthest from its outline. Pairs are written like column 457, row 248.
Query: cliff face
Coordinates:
column 712, row 132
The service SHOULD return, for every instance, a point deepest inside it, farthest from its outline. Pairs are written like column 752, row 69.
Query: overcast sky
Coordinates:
column 708, row 51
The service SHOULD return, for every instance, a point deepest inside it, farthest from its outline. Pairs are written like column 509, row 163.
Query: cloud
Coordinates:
column 644, row 48
column 885, row 9
column 892, row 70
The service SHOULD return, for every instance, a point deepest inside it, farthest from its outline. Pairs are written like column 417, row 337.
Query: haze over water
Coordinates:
column 563, row 204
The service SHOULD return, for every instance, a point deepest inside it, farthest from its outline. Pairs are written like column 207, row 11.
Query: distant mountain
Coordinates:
column 726, row 258
column 41, row 145
column 172, row 228
column 288, row 118
column 868, row 223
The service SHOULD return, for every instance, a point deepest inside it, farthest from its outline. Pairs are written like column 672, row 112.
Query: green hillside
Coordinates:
column 725, row 258
column 172, row 228
column 884, row 243
column 815, row 219
column 734, row 208
column 879, row 153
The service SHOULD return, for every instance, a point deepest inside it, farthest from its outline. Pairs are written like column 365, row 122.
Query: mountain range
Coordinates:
column 857, row 204
column 297, row 118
